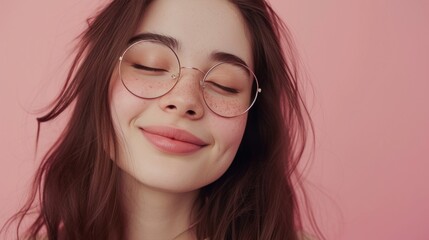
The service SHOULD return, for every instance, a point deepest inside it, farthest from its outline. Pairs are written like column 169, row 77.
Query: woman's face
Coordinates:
column 175, row 143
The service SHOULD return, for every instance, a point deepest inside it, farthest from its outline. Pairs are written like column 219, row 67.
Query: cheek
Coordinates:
column 232, row 130
column 124, row 109
column 228, row 135
column 123, row 105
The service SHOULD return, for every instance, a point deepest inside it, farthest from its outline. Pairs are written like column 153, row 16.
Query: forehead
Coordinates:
column 200, row 27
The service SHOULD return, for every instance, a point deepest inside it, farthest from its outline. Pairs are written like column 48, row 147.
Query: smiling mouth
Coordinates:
column 172, row 140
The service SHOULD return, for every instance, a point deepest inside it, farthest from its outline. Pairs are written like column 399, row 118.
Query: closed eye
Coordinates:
column 224, row 88
column 146, row 68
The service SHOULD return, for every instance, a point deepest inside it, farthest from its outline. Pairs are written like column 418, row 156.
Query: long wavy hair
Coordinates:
column 76, row 190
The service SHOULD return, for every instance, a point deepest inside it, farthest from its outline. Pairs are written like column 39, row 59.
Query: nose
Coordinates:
column 185, row 99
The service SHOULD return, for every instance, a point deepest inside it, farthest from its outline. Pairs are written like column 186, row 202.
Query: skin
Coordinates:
column 160, row 187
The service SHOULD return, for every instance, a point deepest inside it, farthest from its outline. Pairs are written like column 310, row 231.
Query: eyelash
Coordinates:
column 224, row 88
column 143, row 67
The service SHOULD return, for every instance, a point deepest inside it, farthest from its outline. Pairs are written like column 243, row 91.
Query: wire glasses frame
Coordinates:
column 150, row 69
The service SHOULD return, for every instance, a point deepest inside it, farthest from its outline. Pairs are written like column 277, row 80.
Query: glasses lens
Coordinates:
column 149, row 69
column 230, row 89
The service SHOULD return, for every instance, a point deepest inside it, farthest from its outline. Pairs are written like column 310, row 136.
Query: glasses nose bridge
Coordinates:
column 202, row 73
column 188, row 84
column 193, row 68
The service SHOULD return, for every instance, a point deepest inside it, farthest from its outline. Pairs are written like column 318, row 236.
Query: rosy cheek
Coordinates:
column 230, row 131
column 124, row 106
column 118, row 101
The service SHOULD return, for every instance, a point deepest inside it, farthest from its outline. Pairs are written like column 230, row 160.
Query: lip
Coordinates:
column 172, row 140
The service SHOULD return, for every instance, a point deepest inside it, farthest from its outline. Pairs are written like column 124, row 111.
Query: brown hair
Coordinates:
column 78, row 185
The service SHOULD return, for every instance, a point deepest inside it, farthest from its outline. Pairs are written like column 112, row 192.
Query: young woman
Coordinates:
column 187, row 123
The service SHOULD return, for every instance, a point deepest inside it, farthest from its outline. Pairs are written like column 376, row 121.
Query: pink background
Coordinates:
column 368, row 61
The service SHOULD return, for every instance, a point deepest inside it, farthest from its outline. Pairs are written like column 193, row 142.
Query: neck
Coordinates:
column 156, row 214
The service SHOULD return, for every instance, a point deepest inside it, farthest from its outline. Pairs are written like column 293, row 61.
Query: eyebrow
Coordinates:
column 174, row 44
column 167, row 40
column 227, row 57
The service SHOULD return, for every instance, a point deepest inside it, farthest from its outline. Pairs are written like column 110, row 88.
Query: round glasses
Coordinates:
column 150, row 69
